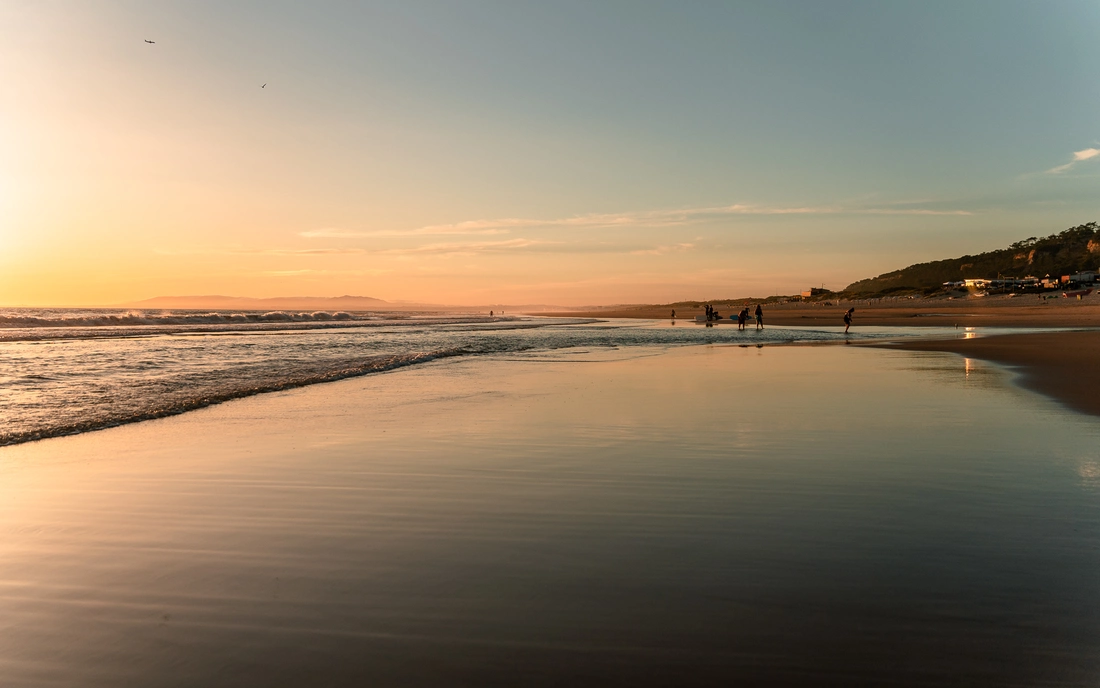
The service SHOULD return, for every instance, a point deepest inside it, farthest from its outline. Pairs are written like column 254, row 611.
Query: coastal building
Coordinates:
column 1007, row 283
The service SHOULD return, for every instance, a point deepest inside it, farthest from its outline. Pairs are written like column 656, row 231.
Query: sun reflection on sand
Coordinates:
column 1089, row 472
column 384, row 530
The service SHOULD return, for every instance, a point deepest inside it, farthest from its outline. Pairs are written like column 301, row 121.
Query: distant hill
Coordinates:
column 1073, row 250
column 339, row 303
column 320, row 303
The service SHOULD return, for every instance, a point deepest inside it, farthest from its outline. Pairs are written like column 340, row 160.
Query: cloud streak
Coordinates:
column 662, row 250
column 457, row 229
column 467, row 248
column 650, row 219
column 1078, row 156
column 444, row 249
column 534, row 245
column 301, row 251
column 322, row 273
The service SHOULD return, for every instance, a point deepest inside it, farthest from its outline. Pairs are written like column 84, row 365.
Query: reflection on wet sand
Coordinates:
column 830, row 515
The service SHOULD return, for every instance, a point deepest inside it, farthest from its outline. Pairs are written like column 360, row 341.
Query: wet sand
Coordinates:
column 699, row 516
column 990, row 311
column 1062, row 365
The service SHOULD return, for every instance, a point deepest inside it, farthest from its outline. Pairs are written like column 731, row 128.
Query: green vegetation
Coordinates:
column 1074, row 250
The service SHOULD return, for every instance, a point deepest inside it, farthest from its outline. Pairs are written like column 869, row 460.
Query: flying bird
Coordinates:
column 149, row 41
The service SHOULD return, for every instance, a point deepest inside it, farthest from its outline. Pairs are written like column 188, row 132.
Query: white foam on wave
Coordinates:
column 190, row 398
column 137, row 318
column 104, row 376
column 29, row 325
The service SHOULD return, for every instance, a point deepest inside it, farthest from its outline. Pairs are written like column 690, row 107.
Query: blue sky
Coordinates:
column 557, row 152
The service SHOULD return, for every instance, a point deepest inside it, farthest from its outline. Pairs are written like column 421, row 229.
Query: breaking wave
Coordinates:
column 67, row 372
column 138, row 318
column 28, row 325
column 170, row 402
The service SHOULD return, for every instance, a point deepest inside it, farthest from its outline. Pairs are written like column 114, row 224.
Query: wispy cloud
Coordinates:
column 298, row 251
column 662, row 250
column 1078, row 156
column 562, row 243
column 462, row 228
column 914, row 211
column 307, row 272
column 645, row 218
column 258, row 251
column 331, row 233
column 535, row 245
column 467, row 248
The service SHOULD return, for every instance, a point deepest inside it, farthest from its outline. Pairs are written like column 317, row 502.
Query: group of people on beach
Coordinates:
column 743, row 316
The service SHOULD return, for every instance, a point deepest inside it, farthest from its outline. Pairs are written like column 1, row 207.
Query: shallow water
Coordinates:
column 65, row 372
column 776, row 516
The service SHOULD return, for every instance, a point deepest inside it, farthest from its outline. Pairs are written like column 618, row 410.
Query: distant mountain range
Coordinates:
column 1074, row 250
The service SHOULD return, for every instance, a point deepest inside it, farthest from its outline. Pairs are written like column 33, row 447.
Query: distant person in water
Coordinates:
column 848, row 318
column 759, row 317
column 673, row 313
column 490, row 314
column 742, row 318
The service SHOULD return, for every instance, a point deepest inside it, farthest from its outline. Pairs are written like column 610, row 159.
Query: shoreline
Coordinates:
column 993, row 311
column 561, row 519
column 1059, row 365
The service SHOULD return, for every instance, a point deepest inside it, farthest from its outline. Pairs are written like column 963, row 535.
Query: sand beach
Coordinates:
column 1025, row 310
column 1063, row 365
column 299, row 383
column 814, row 515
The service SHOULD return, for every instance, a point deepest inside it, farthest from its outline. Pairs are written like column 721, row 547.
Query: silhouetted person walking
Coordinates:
column 759, row 317
column 848, row 319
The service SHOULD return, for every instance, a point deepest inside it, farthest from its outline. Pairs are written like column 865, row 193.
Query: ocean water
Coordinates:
column 70, row 371
column 629, row 516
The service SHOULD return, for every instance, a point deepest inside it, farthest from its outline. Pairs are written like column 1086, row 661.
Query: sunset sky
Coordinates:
column 515, row 152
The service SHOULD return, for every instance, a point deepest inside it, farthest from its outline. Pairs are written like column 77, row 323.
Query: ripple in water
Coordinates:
column 65, row 372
